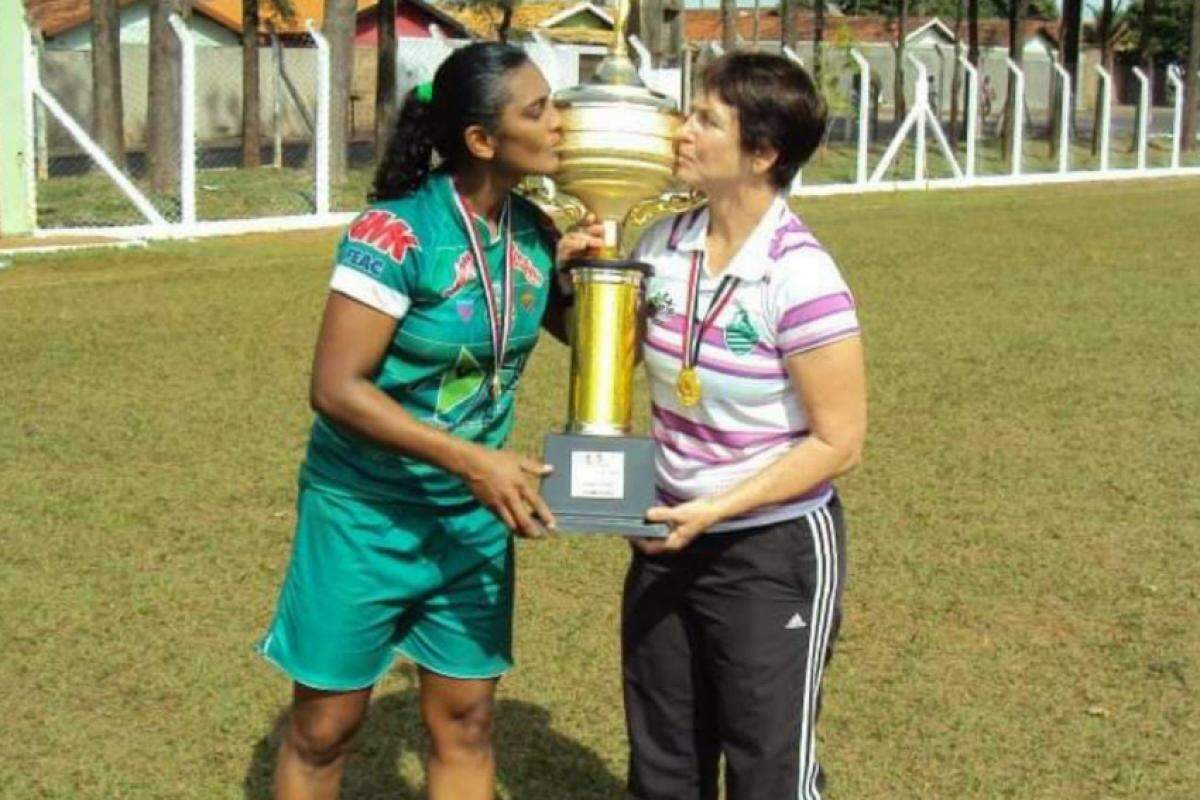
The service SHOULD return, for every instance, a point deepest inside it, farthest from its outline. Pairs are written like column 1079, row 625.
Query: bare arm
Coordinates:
column 350, row 347
column 831, row 384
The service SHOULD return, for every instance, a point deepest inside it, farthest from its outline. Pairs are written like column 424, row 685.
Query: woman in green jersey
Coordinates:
column 407, row 502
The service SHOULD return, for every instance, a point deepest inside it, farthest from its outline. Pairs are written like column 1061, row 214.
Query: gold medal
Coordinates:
column 687, row 387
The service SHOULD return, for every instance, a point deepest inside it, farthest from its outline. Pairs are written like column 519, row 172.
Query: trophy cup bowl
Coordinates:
column 617, row 160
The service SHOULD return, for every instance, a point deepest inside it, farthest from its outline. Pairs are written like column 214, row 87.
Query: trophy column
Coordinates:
column 603, row 479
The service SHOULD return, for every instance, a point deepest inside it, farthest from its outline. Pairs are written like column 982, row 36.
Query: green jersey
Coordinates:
column 411, row 259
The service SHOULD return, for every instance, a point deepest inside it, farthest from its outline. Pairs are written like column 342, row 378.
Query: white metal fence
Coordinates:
column 81, row 190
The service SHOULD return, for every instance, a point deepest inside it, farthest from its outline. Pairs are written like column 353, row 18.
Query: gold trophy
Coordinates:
column 618, row 155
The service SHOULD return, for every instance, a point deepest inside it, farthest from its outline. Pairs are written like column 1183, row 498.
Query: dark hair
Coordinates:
column 777, row 105
column 469, row 88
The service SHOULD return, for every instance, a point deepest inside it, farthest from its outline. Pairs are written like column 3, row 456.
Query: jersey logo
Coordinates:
column 532, row 275
column 464, row 273
column 740, row 335
column 385, row 232
column 791, row 235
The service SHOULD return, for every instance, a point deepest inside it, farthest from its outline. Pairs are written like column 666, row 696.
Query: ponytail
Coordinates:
column 469, row 88
column 406, row 161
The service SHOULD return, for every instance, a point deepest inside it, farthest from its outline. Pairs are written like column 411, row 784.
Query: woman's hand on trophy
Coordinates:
column 500, row 480
column 686, row 521
column 587, row 236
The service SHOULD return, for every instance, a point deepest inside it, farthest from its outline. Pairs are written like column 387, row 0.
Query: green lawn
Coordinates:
column 1023, row 615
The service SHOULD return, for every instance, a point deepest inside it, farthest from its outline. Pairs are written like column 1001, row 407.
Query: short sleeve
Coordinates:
column 374, row 260
column 811, row 304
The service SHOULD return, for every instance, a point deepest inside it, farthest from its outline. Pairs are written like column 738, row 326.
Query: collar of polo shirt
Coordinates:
column 751, row 260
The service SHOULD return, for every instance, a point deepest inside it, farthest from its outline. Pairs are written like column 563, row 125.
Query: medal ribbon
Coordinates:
column 499, row 319
column 693, row 329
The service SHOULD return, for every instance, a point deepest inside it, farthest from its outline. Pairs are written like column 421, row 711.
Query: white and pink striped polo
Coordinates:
column 791, row 299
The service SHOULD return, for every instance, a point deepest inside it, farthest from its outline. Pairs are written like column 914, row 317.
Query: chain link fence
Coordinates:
column 269, row 170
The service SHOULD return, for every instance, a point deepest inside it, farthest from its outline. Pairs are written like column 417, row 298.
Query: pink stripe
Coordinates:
column 692, row 453
column 713, row 335
column 814, row 341
column 815, row 309
column 708, row 362
column 706, row 433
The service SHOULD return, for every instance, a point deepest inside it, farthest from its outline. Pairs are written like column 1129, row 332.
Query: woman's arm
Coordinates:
column 831, row 384
column 350, row 347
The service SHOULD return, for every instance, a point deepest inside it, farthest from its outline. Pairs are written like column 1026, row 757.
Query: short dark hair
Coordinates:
column 777, row 105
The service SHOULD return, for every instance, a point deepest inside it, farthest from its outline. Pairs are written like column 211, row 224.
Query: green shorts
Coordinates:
column 372, row 580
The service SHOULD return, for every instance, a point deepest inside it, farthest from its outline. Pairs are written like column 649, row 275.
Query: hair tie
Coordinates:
column 424, row 92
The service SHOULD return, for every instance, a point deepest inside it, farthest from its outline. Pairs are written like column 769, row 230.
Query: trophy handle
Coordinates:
column 645, row 211
column 566, row 211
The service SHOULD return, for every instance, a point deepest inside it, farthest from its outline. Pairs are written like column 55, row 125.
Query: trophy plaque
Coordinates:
column 618, row 156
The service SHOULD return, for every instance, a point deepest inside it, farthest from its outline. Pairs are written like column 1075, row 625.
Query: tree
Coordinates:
column 1016, row 48
column 729, row 35
column 1104, row 41
column 1147, row 45
column 956, row 83
column 163, row 128
column 338, row 28
column 1069, row 33
column 108, row 115
column 251, row 128
column 787, row 23
column 901, row 34
column 1190, row 99
column 385, row 73
column 818, row 55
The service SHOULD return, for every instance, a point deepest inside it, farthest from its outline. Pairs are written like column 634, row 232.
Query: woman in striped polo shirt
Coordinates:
column 756, row 374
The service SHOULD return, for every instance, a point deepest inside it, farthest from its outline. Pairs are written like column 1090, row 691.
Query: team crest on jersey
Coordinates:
column 661, row 305
column 740, row 335
column 384, row 232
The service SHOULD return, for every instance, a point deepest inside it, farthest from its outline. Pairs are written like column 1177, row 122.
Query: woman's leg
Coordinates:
column 315, row 742
column 458, row 714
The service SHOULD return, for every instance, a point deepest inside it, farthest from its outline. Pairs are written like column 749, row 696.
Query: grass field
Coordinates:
column 1023, row 615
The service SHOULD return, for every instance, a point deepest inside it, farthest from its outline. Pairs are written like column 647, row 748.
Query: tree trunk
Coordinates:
column 163, row 128
column 1103, row 33
column 818, row 51
column 787, row 23
column 251, row 97
column 729, row 35
column 1016, row 49
column 385, row 74
column 1146, row 49
column 108, row 116
column 956, row 82
column 338, row 28
column 901, row 33
column 506, row 15
column 754, row 35
column 1190, row 88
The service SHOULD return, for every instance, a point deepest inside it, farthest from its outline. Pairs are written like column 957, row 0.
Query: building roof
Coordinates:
column 53, row 17
column 704, row 25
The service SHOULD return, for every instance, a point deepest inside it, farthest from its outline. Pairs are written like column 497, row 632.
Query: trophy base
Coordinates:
column 601, row 485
